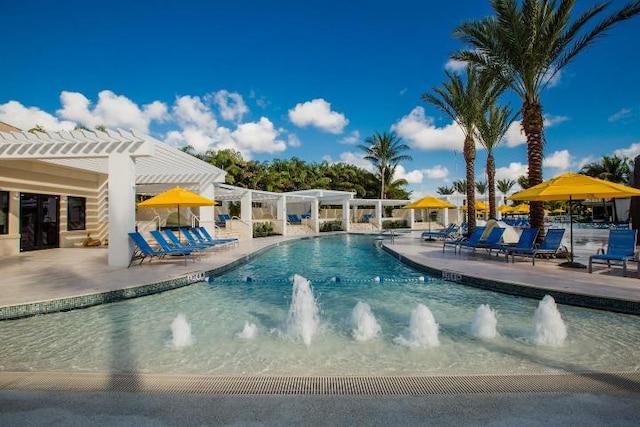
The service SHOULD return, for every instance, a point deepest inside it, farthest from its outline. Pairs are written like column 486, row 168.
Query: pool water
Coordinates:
column 240, row 324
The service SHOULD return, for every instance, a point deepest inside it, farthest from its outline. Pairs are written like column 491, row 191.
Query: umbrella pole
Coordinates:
column 430, row 239
column 571, row 263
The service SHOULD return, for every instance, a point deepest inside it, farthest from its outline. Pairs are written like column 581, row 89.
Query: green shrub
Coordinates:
column 401, row 223
column 263, row 229
column 331, row 226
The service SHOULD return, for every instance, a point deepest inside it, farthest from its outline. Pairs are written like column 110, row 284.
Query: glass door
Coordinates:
column 39, row 226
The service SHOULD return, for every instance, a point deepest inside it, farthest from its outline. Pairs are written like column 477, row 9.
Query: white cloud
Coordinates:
column 622, row 114
column 514, row 135
column 356, row 159
column 421, row 133
column 436, row 172
column 111, row 111
column 25, row 118
column 317, row 113
column 190, row 111
column 585, row 161
column 631, row 152
column 455, row 65
column 514, row 171
column 293, row 140
column 560, row 160
column 550, row 120
column 555, row 79
column 351, row 139
column 231, row 105
column 412, row 177
column 259, row 137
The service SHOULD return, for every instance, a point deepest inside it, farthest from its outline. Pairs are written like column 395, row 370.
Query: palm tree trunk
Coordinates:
column 491, row 177
column 469, row 158
column 533, row 125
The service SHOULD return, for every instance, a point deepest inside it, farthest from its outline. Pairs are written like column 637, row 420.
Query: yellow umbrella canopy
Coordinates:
column 520, row 209
column 176, row 197
column 429, row 202
column 480, row 206
column 573, row 186
column 505, row 209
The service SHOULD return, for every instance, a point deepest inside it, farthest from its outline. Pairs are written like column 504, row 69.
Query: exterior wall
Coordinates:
column 25, row 176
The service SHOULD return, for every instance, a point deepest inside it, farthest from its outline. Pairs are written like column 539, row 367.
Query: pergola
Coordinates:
column 130, row 160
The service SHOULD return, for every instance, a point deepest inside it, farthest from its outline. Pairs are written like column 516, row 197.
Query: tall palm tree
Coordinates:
column 525, row 48
column 491, row 129
column 481, row 187
column 460, row 185
column 505, row 185
column 465, row 102
column 385, row 153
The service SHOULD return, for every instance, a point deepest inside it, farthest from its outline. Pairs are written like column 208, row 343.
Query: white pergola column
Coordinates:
column 281, row 213
column 122, row 208
column 445, row 217
column 412, row 218
column 315, row 208
column 207, row 213
column 379, row 213
column 245, row 207
column 345, row 215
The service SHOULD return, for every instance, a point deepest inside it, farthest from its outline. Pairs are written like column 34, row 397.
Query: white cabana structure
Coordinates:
column 57, row 186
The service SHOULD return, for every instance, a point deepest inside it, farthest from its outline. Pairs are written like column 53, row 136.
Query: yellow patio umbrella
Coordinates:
column 480, row 206
column 504, row 209
column 521, row 209
column 176, row 198
column 428, row 203
column 573, row 186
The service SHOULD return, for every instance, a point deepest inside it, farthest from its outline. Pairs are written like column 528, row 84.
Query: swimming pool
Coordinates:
column 363, row 314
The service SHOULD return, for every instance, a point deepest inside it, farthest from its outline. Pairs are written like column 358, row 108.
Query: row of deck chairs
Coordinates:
column 525, row 247
column 168, row 243
column 621, row 246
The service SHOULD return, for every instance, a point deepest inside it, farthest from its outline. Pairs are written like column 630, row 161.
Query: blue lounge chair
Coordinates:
column 549, row 246
column 143, row 250
column 492, row 239
column 168, row 247
column 447, row 233
column 366, row 217
column 620, row 249
column 525, row 242
column 473, row 239
column 224, row 218
column 176, row 243
column 203, row 236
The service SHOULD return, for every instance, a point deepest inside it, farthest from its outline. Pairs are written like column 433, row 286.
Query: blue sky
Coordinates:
column 289, row 78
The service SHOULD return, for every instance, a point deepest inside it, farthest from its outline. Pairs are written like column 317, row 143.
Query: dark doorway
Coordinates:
column 39, row 221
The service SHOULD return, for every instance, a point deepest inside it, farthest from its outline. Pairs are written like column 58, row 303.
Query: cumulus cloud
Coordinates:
column 550, row 120
column 455, row 65
column 16, row 114
column 436, row 172
column 620, row 115
column 514, row 135
column 631, row 152
column 293, row 141
column 514, row 171
column 260, row 137
column 356, row 159
column 192, row 112
column 413, row 177
column 351, row 139
column 560, row 160
column 421, row 132
column 111, row 111
column 317, row 113
column 230, row 104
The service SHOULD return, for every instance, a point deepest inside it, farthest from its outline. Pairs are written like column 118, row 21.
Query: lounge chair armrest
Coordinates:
column 600, row 251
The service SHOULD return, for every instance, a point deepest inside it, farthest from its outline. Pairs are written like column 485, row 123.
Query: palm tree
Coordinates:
column 481, row 187
column 525, row 49
column 523, row 182
column 460, row 185
column 505, row 185
column 465, row 103
column 614, row 169
column 385, row 153
column 491, row 129
column 446, row 191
